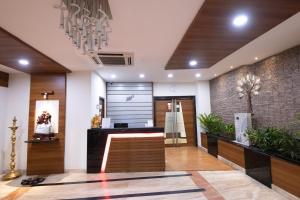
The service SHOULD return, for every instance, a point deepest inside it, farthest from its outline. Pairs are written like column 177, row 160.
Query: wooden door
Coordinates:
column 189, row 115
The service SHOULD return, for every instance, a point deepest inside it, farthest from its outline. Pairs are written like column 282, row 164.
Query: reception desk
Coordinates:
column 125, row 150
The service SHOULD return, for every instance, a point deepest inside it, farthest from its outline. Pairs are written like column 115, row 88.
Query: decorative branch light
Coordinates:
column 247, row 86
column 86, row 23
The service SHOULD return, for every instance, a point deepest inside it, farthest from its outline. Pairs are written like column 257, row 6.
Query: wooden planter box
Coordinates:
column 258, row 165
column 204, row 140
column 286, row 175
column 232, row 152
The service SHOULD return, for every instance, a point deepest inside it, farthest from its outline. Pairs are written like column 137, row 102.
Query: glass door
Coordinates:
column 178, row 117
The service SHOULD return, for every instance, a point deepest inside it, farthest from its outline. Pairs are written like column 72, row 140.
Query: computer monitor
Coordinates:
column 120, row 125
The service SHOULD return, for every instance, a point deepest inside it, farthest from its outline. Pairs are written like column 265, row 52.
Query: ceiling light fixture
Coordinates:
column 256, row 58
column 113, row 76
column 170, row 75
column 240, row 20
column 193, row 63
column 197, row 75
column 23, row 62
column 142, row 75
column 215, row 74
column 231, row 67
column 86, row 23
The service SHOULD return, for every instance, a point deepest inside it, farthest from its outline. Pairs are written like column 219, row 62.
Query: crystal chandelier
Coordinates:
column 86, row 23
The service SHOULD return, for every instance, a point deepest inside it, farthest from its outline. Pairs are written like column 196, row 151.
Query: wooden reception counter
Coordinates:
column 125, row 150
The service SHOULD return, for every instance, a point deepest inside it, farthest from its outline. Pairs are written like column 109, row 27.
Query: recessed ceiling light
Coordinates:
column 240, row 20
column 142, row 75
column 170, row 75
column 23, row 62
column 231, row 67
column 197, row 75
column 256, row 58
column 193, row 63
column 113, row 76
column 215, row 74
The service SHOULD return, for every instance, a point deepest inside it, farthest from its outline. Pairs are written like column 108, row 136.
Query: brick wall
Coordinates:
column 279, row 98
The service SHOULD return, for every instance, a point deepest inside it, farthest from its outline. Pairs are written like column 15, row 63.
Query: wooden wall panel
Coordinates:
column 231, row 152
column 204, row 140
column 286, row 175
column 4, row 79
column 136, row 155
column 47, row 158
column 188, row 109
column 12, row 49
column 212, row 37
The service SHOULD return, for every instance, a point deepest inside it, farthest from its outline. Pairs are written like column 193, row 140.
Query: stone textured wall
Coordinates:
column 279, row 98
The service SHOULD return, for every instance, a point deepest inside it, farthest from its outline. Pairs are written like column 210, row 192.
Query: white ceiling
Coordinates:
column 151, row 29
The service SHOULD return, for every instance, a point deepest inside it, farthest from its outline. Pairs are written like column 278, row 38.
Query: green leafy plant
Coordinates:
column 276, row 141
column 289, row 146
column 229, row 131
column 211, row 123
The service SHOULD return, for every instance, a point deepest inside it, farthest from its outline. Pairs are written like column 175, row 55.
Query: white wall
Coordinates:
column 83, row 91
column 174, row 89
column 202, row 103
column 98, row 89
column 3, row 105
column 17, row 104
column 200, row 90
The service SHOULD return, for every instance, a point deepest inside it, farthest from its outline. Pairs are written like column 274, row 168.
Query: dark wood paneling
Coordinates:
column 4, row 79
column 46, row 158
column 204, row 140
column 96, row 142
column 211, row 36
column 231, row 152
column 12, row 49
column 136, row 155
column 286, row 175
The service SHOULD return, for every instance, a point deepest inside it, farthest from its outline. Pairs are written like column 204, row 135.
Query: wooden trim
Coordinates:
column 286, row 175
column 4, row 77
column 231, row 152
column 204, row 140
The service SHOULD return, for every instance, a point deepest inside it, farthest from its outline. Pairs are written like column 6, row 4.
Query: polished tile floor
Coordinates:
column 200, row 185
column 190, row 173
column 192, row 158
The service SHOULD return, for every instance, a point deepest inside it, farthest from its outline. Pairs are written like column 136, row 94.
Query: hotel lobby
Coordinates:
column 150, row 99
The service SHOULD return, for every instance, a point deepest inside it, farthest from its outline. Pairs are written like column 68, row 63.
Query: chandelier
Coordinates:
column 86, row 23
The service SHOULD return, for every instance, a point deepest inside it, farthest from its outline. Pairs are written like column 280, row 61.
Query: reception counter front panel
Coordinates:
column 125, row 150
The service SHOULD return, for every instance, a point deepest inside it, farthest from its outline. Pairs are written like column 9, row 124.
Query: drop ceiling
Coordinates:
column 13, row 50
column 212, row 35
column 150, row 29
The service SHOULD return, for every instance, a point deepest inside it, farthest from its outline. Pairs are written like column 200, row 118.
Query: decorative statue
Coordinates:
column 43, row 128
column 247, row 86
column 96, row 121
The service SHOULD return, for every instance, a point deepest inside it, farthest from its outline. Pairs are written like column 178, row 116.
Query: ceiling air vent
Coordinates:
column 117, row 59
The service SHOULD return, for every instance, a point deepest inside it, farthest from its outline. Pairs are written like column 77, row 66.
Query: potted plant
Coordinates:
column 286, row 164
column 285, row 150
column 213, row 126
